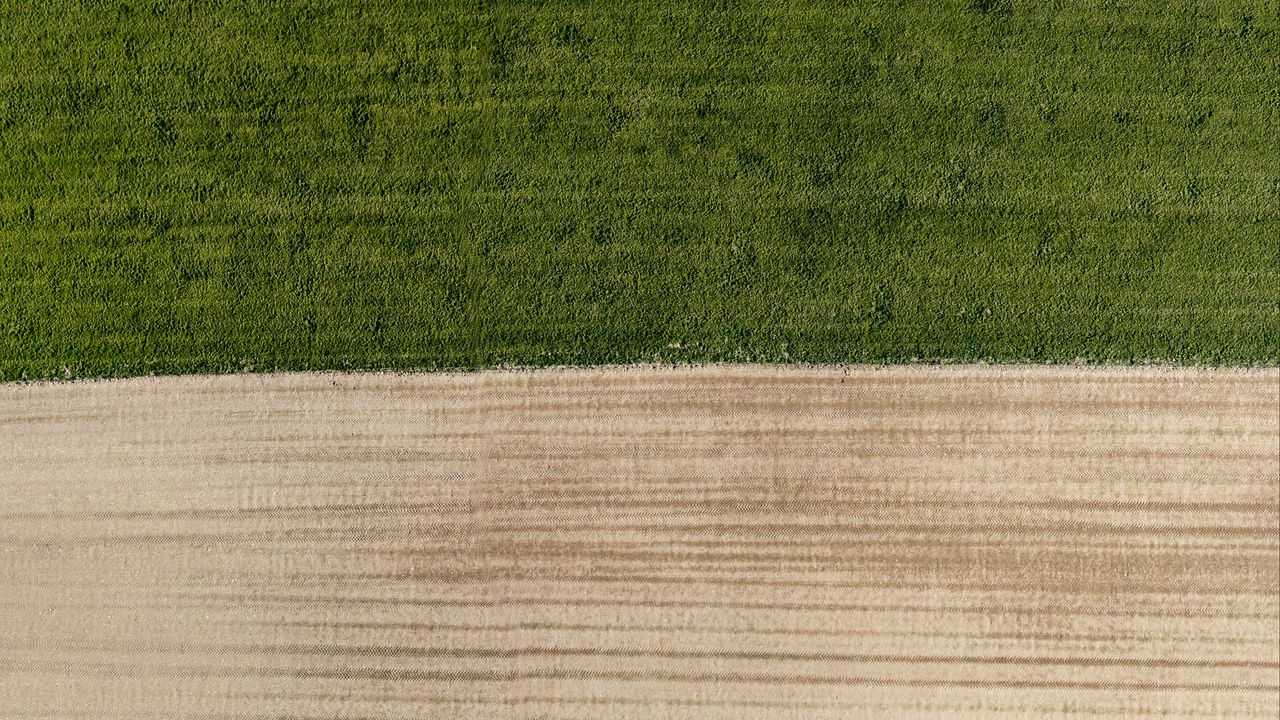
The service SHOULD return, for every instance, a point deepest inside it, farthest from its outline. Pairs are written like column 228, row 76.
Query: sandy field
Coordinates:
column 717, row 542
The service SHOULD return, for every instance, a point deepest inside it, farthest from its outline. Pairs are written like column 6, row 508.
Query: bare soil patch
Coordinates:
column 716, row 542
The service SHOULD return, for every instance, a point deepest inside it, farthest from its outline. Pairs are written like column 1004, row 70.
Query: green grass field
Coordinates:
column 223, row 186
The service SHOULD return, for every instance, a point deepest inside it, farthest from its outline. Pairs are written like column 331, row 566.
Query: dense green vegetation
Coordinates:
column 220, row 186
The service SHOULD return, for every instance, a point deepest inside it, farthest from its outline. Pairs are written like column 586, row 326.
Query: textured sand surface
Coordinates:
column 724, row 542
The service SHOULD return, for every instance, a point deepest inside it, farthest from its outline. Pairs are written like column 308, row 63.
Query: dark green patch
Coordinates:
column 224, row 185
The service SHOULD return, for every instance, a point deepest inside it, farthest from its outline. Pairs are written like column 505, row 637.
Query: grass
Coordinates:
column 224, row 186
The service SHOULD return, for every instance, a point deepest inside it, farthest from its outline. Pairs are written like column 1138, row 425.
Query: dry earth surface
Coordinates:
column 718, row 542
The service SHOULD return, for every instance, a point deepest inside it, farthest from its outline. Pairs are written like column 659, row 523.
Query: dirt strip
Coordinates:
column 712, row 542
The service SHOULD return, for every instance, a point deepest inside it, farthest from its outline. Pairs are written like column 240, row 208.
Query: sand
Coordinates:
column 717, row 542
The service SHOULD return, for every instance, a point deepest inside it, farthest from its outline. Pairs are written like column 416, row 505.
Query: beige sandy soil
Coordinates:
column 721, row 542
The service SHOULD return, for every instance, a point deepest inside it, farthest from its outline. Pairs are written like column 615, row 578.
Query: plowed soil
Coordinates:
column 719, row 542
